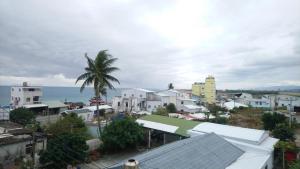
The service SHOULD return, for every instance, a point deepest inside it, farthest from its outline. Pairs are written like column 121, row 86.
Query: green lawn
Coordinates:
column 183, row 125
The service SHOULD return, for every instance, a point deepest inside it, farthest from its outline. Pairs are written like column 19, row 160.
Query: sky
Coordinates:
column 243, row 44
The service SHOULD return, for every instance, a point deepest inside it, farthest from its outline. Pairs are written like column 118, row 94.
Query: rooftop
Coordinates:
column 201, row 152
column 54, row 104
column 181, row 124
column 252, row 136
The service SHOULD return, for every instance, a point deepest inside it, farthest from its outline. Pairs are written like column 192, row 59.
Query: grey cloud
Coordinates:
column 41, row 38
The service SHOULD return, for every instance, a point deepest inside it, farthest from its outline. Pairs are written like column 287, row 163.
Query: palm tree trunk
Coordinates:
column 98, row 114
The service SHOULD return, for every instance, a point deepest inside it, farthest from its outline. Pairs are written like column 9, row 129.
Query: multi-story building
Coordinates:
column 210, row 90
column 205, row 90
column 198, row 89
column 25, row 95
column 137, row 100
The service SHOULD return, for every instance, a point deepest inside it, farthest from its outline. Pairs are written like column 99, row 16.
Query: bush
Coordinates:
column 171, row 108
column 22, row 116
column 69, row 123
column 271, row 120
column 122, row 134
column 219, row 120
column 295, row 165
column 161, row 111
column 63, row 150
column 283, row 132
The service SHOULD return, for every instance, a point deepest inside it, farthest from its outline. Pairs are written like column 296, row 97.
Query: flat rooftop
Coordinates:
column 232, row 132
column 181, row 124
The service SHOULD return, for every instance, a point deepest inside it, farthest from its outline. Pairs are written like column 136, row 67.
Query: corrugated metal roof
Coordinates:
column 248, row 135
column 207, row 151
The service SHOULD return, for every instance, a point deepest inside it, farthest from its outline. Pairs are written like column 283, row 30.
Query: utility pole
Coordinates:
column 33, row 149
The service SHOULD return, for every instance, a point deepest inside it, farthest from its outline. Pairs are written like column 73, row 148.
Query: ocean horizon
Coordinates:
column 60, row 93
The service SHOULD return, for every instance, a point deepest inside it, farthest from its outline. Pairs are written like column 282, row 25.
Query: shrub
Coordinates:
column 22, row 116
column 171, row 108
column 271, row 120
column 122, row 134
column 161, row 111
column 283, row 132
column 219, row 120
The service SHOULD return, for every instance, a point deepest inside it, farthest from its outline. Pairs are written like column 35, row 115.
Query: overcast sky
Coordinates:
column 243, row 43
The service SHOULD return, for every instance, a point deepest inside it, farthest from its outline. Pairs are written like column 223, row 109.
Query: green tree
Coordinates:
column 283, row 132
column 271, row 120
column 219, row 120
column 71, row 123
column 65, row 149
column 295, row 165
column 171, row 108
column 98, row 73
column 161, row 111
column 122, row 134
column 214, row 109
column 170, row 86
column 22, row 116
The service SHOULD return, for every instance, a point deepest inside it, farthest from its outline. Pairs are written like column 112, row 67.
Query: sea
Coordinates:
column 60, row 93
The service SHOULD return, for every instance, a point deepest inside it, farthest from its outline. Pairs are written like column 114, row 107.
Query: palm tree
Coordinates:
column 98, row 74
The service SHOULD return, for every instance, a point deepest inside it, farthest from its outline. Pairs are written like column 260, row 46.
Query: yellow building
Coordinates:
column 198, row 89
column 210, row 90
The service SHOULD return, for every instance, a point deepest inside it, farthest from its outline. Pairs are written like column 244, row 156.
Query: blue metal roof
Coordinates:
column 207, row 151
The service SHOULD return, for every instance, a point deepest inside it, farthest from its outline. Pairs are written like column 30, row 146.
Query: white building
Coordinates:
column 25, row 95
column 232, row 104
column 257, row 145
column 86, row 114
column 4, row 115
column 260, row 103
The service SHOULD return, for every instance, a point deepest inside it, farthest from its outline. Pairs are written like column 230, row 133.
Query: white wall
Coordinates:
column 153, row 105
column 12, row 150
column 22, row 93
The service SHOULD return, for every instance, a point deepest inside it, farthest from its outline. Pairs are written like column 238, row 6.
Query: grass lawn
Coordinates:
column 183, row 125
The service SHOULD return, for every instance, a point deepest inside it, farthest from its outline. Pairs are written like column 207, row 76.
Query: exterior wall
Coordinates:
column 20, row 95
column 210, row 90
column 260, row 103
column 153, row 105
column 12, row 151
column 180, row 105
column 198, row 89
column 86, row 116
column 133, row 93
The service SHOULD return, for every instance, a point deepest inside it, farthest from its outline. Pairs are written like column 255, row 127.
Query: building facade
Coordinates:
column 25, row 95
column 210, row 90
column 205, row 92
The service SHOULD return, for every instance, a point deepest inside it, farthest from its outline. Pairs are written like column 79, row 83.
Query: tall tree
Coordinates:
column 98, row 73
column 170, row 86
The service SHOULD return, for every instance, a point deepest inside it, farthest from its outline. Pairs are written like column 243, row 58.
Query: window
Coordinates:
column 165, row 104
column 119, row 104
column 126, row 104
column 124, row 94
column 132, row 95
column 181, row 102
column 28, row 99
column 12, row 89
column 149, row 106
column 266, row 167
column 28, row 148
column 154, row 106
column 19, row 90
column 12, row 98
column 141, row 95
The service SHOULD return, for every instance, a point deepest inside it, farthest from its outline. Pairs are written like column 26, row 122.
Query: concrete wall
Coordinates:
column 12, row 151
